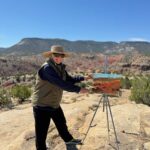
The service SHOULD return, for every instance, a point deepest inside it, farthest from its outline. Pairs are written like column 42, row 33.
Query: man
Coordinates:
column 52, row 79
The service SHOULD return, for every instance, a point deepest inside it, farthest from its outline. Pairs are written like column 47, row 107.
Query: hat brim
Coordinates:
column 49, row 53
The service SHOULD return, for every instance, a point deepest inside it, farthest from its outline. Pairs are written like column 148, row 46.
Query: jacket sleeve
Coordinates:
column 74, row 79
column 49, row 74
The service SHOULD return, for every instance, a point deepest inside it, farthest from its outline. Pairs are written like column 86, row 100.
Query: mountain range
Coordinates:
column 34, row 46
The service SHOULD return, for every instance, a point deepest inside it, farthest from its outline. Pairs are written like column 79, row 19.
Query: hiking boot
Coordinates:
column 74, row 142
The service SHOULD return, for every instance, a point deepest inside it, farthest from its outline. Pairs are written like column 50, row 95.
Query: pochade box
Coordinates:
column 107, row 83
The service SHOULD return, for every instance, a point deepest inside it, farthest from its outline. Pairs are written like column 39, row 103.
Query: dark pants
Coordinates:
column 42, row 116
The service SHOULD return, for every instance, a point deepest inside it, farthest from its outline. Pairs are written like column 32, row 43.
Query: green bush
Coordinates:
column 125, row 83
column 140, row 91
column 4, row 98
column 81, row 84
column 21, row 92
column 18, row 79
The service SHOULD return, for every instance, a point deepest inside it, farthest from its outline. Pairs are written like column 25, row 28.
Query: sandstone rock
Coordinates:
column 131, row 122
column 147, row 131
column 147, row 146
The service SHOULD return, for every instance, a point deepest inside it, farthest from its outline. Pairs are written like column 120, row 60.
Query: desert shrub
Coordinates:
column 21, row 92
column 140, row 91
column 82, row 84
column 4, row 98
column 85, row 84
column 125, row 83
column 89, row 83
column 18, row 79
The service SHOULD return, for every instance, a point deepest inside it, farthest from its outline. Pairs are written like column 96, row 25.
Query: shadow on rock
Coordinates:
column 71, row 147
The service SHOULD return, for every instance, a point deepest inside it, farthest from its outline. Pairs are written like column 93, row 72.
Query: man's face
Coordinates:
column 58, row 58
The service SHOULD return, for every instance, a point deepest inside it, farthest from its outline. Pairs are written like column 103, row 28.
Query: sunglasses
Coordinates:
column 58, row 55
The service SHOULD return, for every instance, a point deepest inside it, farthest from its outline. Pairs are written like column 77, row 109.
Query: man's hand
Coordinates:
column 83, row 90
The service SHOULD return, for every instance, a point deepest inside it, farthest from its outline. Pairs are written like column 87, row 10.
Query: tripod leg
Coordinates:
column 108, row 129
column 104, row 103
column 113, row 124
column 92, row 118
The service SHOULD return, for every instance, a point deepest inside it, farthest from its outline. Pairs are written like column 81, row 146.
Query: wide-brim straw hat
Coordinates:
column 57, row 49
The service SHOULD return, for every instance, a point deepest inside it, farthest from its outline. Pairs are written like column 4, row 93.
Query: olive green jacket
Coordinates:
column 45, row 93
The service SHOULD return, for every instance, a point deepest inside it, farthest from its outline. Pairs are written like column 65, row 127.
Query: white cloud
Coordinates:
column 138, row 39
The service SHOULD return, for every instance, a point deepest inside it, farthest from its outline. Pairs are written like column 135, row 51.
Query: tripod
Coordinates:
column 106, row 105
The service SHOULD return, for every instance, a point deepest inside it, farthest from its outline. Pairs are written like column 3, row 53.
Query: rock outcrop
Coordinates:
column 131, row 120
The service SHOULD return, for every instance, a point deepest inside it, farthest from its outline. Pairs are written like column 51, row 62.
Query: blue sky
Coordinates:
column 99, row 20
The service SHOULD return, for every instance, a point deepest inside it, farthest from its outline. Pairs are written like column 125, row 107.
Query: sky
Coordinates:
column 98, row 20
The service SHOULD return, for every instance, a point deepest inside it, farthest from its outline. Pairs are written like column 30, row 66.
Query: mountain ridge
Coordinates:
column 33, row 46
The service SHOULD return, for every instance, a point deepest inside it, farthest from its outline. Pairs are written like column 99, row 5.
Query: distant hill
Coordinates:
column 2, row 49
column 32, row 46
column 142, row 47
column 16, row 66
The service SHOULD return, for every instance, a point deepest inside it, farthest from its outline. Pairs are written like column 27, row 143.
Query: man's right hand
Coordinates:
column 83, row 90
